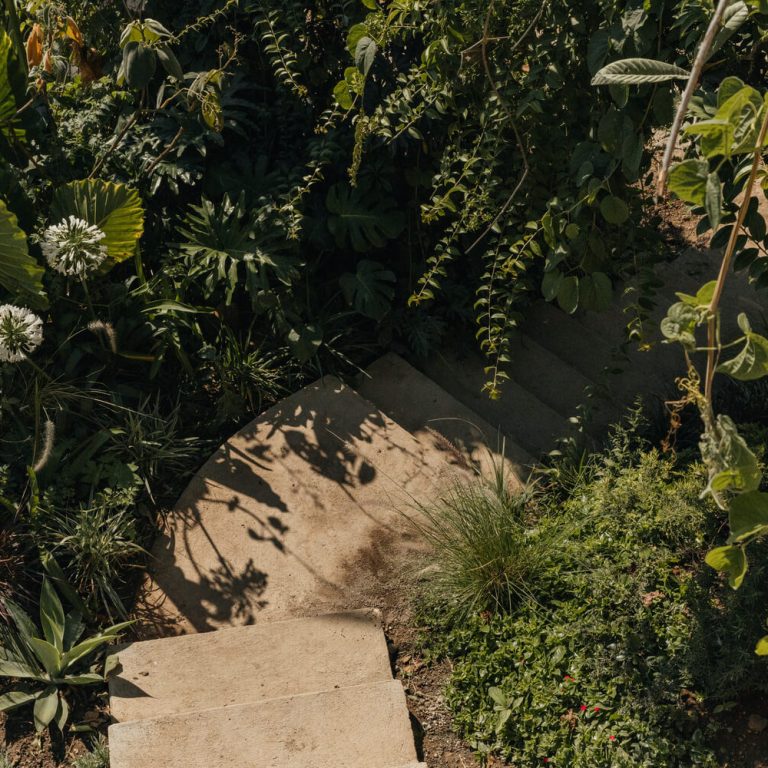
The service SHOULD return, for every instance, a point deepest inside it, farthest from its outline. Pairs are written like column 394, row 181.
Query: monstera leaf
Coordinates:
column 370, row 290
column 114, row 208
column 357, row 220
column 12, row 89
column 19, row 272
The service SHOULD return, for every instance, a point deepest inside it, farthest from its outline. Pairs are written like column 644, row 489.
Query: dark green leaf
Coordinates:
column 568, row 294
column 714, row 200
column 614, row 210
column 370, row 290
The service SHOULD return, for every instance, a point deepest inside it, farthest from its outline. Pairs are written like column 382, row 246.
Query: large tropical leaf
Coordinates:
column 12, row 88
column 370, row 290
column 115, row 209
column 637, row 71
column 19, row 272
column 361, row 221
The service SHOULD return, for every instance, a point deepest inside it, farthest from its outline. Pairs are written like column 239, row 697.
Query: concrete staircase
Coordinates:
column 301, row 517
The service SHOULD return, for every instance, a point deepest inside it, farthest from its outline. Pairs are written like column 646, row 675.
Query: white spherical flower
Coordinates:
column 72, row 246
column 21, row 332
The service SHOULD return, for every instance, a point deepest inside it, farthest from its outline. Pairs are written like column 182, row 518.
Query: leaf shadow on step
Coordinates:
column 246, row 509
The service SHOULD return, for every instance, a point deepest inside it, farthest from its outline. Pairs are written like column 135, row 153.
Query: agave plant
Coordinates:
column 49, row 662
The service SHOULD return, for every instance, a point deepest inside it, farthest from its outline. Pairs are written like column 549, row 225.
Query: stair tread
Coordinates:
column 423, row 407
column 292, row 515
column 365, row 725
column 518, row 412
column 248, row 664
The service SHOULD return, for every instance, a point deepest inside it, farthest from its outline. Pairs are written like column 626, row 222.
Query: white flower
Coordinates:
column 72, row 246
column 21, row 332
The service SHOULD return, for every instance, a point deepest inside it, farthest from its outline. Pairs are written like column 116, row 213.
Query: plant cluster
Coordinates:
column 626, row 646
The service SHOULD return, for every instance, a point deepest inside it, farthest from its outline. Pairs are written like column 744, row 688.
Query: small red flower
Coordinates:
column 583, row 707
column 597, row 709
column 612, row 738
column 546, row 759
column 568, row 679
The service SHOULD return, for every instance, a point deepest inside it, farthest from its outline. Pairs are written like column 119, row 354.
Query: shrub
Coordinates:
column 628, row 646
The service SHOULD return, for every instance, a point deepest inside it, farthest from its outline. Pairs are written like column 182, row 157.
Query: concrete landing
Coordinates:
column 299, row 513
column 247, row 665
column 426, row 410
column 360, row 727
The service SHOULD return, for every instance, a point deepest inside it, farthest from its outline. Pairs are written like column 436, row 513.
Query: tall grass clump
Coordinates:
column 98, row 757
column 488, row 552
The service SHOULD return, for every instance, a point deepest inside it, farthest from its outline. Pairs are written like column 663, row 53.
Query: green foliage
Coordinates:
column 488, row 553
column 361, row 220
column 115, row 209
column 49, row 662
column 629, row 642
column 19, row 272
column 98, row 757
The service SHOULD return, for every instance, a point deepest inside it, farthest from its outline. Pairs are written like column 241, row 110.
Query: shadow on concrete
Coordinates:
column 244, row 506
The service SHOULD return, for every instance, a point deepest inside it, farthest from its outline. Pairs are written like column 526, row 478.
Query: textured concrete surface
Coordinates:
column 246, row 665
column 290, row 514
column 426, row 410
column 518, row 412
column 360, row 727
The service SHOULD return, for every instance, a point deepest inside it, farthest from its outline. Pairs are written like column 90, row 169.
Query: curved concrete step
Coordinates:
column 246, row 665
column 518, row 413
column 424, row 408
column 365, row 726
column 292, row 515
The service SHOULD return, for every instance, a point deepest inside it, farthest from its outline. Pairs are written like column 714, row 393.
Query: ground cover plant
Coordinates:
column 624, row 646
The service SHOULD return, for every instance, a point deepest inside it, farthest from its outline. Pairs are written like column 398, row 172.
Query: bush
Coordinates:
column 632, row 642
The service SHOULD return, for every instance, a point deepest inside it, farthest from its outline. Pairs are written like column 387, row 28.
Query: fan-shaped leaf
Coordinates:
column 116, row 209
column 637, row 71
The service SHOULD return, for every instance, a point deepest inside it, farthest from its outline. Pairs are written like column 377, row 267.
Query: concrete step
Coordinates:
column 363, row 726
column 299, row 513
column 585, row 351
column 556, row 383
column 246, row 665
column 425, row 409
column 518, row 413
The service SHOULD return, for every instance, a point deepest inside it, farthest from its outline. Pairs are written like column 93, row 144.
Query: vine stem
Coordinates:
column 690, row 87
column 725, row 265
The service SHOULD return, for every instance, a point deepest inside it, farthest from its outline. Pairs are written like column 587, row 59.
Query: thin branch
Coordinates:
column 127, row 127
column 690, row 87
column 174, row 141
column 725, row 265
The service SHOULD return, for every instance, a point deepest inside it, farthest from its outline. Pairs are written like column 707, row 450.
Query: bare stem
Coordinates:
column 693, row 81
column 725, row 265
